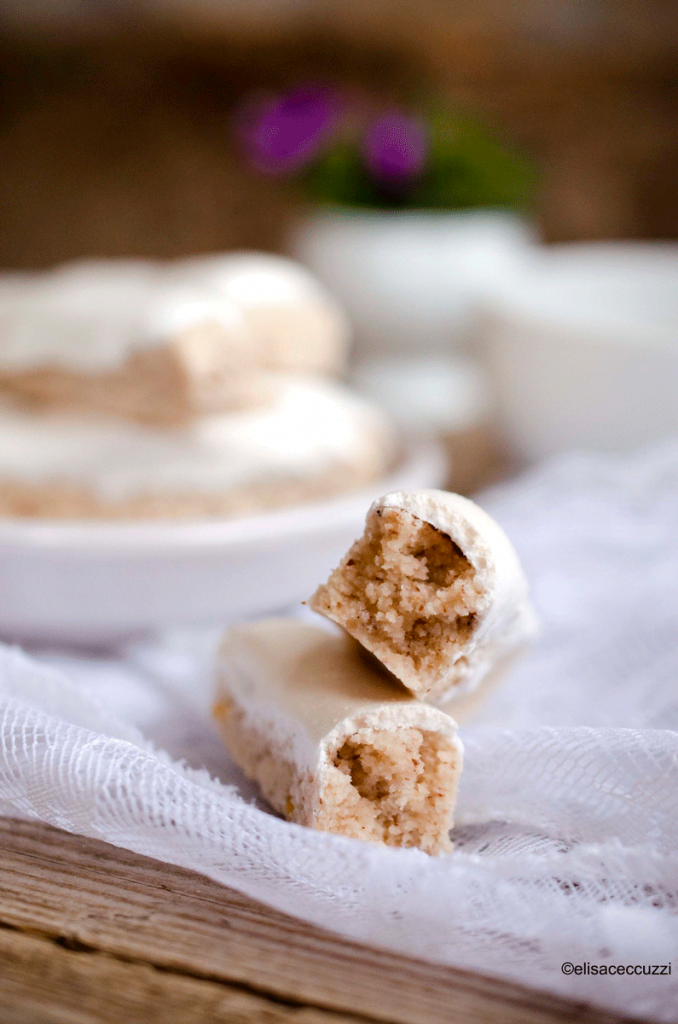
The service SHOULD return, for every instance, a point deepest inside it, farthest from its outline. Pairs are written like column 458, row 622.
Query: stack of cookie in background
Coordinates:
column 131, row 389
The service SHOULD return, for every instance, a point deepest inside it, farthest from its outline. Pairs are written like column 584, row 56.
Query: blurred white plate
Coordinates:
column 95, row 583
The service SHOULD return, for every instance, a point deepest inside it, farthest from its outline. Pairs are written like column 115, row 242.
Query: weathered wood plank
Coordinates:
column 79, row 918
column 43, row 983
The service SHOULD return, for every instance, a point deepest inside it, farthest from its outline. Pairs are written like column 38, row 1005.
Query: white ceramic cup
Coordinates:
column 582, row 344
column 410, row 280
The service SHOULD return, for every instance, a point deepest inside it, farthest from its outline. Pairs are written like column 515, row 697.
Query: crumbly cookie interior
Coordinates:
column 395, row 787
column 406, row 592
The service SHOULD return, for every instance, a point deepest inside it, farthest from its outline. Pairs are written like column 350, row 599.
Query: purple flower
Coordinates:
column 287, row 132
column 395, row 149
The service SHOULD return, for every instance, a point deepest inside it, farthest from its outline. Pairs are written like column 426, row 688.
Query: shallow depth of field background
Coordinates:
column 114, row 116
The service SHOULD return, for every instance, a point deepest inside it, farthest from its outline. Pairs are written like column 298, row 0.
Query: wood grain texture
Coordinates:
column 44, row 983
column 90, row 934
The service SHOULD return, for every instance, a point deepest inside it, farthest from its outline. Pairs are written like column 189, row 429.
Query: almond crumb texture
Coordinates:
column 407, row 593
column 433, row 589
column 333, row 744
column 397, row 788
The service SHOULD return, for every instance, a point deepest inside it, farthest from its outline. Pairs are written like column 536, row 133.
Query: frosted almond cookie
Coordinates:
column 118, row 342
column 433, row 589
column 332, row 743
column 314, row 439
column 297, row 323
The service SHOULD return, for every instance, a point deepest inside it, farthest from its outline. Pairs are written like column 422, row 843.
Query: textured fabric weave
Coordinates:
column 567, row 834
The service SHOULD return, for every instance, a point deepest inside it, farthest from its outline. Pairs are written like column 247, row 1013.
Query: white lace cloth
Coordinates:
column 567, row 835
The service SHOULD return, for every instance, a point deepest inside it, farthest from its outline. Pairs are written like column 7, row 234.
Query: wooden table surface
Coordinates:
column 90, row 934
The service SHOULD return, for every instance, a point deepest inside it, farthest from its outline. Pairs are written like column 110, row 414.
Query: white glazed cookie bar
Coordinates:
column 314, row 439
column 333, row 743
column 434, row 590
column 297, row 323
column 164, row 344
column 81, row 341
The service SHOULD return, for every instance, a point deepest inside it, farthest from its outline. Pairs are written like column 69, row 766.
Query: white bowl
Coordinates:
column 583, row 348
column 409, row 280
column 96, row 583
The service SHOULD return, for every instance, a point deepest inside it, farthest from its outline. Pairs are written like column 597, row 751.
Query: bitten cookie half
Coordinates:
column 434, row 590
column 333, row 743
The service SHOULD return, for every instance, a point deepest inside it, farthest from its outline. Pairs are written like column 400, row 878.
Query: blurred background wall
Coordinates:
column 115, row 133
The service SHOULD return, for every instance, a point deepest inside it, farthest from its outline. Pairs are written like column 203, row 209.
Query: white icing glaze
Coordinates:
column 91, row 315
column 506, row 618
column 294, row 317
column 114, row 274
column 90, row 327
column 307, row 689
column 309, row 425
column 171, row 311
column 254, row 279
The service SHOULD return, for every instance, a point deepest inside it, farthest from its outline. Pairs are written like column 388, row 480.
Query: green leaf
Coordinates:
column 467, row 169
